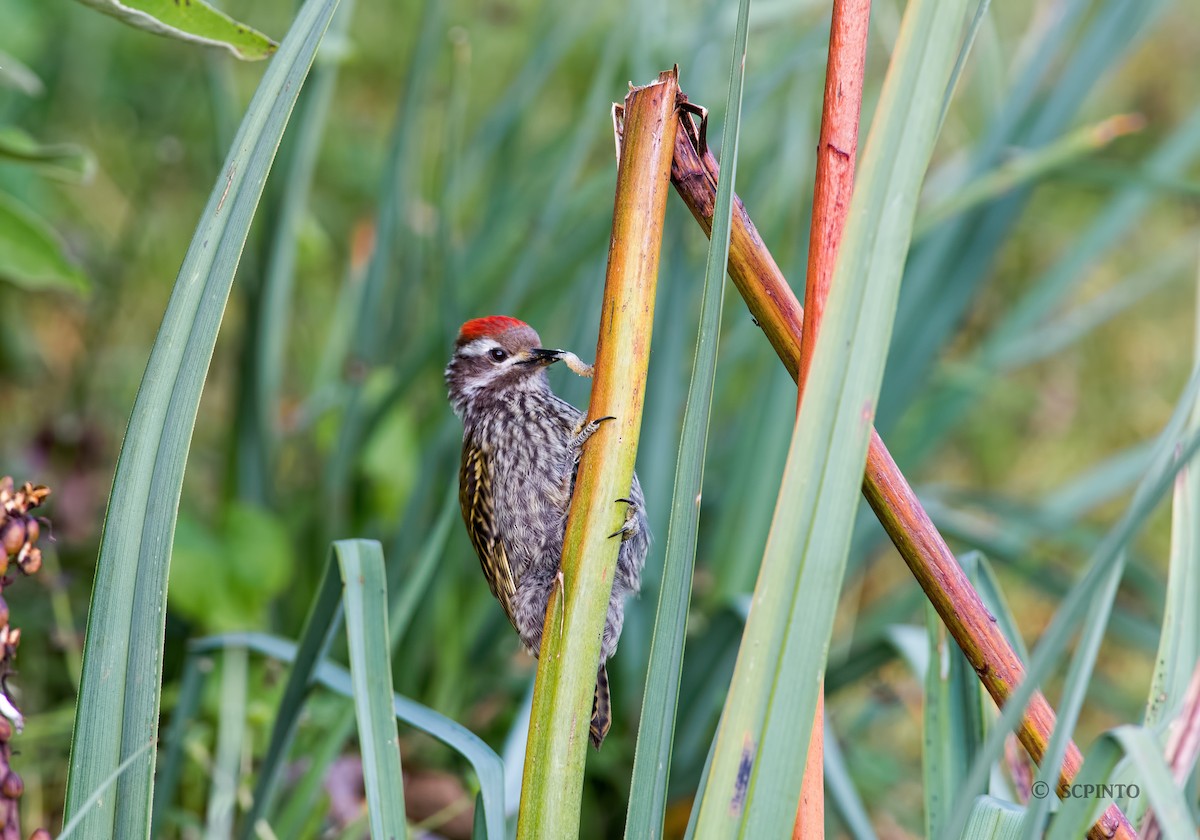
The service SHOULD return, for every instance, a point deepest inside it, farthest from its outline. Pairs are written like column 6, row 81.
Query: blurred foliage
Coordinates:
column 467, row 146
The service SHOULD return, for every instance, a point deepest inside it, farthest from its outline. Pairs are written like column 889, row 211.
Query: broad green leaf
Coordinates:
column 953, row 717
column 993, row 819
column 365, row 611
column 762, row 741
column 63, row 161
column 1179, row 637
column 841, row 792
column 1179, row 642
column 195, row 671
column 31, row 255
column 231, row 734
column 194, row 21
column 119, row 694
column 656, row 729
column 94, row 802
column 1079, row 674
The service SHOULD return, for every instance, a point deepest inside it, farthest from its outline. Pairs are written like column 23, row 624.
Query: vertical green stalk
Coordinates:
column 566, row 676
column 656, row 730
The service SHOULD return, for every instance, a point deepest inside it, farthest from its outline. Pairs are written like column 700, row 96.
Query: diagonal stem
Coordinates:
column 773, row 304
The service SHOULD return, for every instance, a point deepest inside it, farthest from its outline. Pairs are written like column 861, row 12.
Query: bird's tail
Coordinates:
column 601, row 708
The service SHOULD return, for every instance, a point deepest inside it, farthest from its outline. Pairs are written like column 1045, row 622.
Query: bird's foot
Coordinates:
column 630, row 527
column 585, row 430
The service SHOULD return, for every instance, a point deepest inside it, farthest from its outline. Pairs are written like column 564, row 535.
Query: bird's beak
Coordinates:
column 541, row 356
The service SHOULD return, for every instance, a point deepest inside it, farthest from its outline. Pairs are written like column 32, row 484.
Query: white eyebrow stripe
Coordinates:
column 479, row 346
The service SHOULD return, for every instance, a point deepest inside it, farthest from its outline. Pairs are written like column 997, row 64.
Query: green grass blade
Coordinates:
column 977, row 20
column 411, row 593
column 416, row 581
column 93, row 802
column 1171, row 450
column 488, row 767
column 119, row 694
column 1179, row 643
column 1026, row 169
column 195, row 671
column 1153, row 779
column 945, row 272
column 1056, row 335
column 319, row 631
column 308, row 795
column 953, row 724
column 365, row 341
column 762, row 741
column 984, row 579
column 842, row 793
column 231, row 733
column 656, row 730
column 1079, row 674
column 1179, row 636
column 1170, row 160
column 993, row 819
column 366, row 608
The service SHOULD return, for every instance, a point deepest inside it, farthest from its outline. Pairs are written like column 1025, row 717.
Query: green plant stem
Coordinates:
column 558, row 732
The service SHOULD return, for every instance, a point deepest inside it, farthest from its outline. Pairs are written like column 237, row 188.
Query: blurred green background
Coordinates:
column 1043, row 337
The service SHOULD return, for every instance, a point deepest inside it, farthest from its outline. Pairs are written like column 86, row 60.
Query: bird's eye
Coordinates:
column 497, row 354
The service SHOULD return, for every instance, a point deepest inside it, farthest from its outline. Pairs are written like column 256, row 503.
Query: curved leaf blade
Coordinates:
column 365, row 607
column 120, row 690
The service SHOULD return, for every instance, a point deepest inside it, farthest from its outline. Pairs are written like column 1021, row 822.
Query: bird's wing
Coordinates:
column 479, row 514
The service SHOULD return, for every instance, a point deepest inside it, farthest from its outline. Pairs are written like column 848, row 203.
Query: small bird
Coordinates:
column 520, row 454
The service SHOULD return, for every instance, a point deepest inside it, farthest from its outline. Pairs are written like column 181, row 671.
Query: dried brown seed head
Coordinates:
column 12, row 537
column 32, row 561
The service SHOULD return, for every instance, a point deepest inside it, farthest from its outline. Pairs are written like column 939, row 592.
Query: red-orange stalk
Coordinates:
column 833, row 186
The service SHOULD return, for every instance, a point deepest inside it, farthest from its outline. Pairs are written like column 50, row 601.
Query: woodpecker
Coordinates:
column 520, row 455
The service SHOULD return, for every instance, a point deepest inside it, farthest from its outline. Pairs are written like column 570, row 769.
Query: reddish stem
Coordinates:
column 832, row 188
column 836, row 155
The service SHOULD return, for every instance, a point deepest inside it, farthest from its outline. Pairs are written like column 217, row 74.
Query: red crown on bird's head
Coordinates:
column 488, row 327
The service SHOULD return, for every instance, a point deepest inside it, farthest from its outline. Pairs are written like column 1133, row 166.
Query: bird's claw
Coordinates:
column 629, row 527
column 586, row 430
